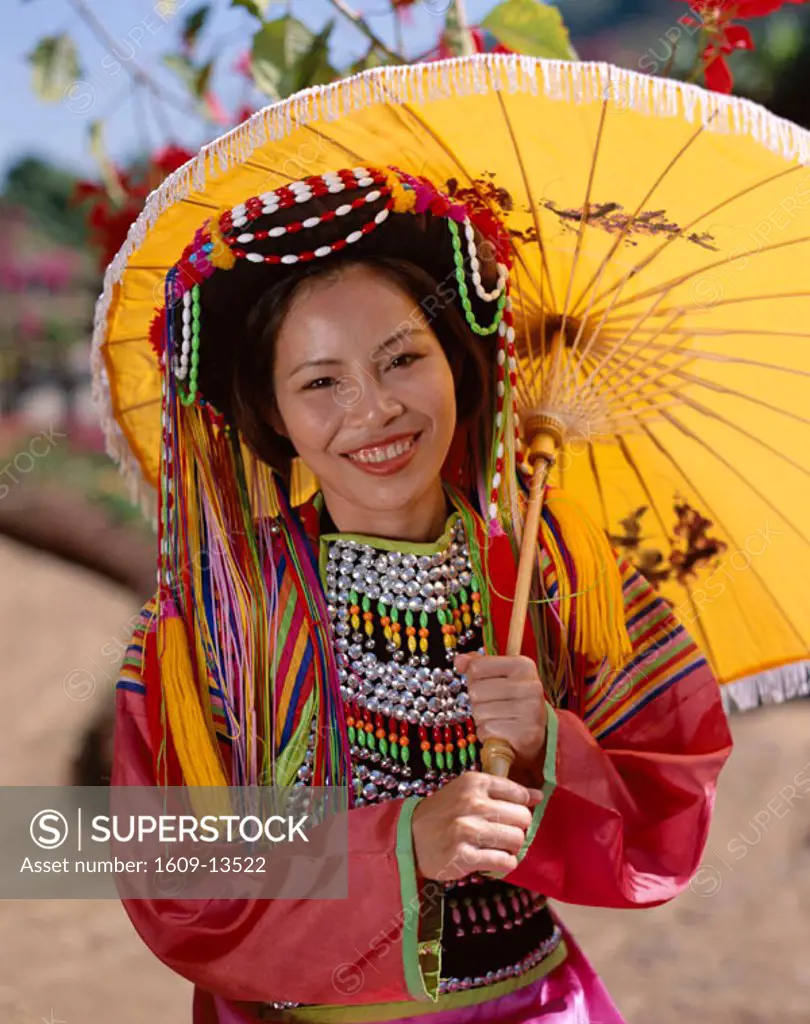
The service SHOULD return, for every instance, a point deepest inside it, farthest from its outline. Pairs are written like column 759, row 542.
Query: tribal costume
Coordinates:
column 352, row 638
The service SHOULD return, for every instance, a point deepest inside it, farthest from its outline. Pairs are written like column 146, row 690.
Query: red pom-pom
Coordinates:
column 157, row 333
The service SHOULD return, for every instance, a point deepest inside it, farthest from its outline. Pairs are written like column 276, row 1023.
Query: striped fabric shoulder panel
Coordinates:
column 295, row 670
column 130, row 675
column 663, row 654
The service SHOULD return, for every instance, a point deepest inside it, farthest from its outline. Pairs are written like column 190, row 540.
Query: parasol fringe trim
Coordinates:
column 773, row 686
column 418, row 83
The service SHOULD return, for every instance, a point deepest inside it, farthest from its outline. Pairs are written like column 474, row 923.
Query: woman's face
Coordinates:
column 364, row 390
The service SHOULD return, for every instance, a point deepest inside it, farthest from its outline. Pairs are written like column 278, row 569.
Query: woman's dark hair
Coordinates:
column 242, row 311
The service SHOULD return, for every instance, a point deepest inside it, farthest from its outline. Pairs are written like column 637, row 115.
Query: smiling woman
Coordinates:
column 357, row 639
column 316, row 361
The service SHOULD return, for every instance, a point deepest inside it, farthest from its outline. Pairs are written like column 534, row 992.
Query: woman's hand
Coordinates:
column 508, row 701
column 475, row 822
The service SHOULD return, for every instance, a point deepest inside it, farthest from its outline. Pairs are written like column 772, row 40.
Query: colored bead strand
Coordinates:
column 354, row 610
column 396, row 629
column 486, row 914
column 385, row 622
column 457, row 918
column 466, row 618
column 461, row 745
column 438, row 748
column 424, row 746
column 500, row 392
column 424, row 632
column 368, row 616
column 393, row 739
column 464, row 294
column 475, row 268
column 359, row 727
column 369, row 730
column 455, row 611
column 410, row 631
column 448, row 630
column 471, row 914
column 380, row 735
column 181, row 364
column 190, row 396
column 471, row 740
column 513, row 899
column 404, row 742
column 500, row 906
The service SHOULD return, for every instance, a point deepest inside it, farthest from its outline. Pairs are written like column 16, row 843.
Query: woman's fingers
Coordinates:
column 500, row 812
column 480, row 860
column 498, row 836
column 498, row 788
column 494, row 666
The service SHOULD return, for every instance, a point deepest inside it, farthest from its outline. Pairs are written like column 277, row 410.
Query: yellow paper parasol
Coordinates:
column 662, row 300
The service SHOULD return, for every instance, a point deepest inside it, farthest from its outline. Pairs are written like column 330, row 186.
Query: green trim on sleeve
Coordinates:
column 549, row 779
column 421, row 920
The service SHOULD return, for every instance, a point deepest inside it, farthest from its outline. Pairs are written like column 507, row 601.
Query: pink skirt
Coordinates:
column 571, row 994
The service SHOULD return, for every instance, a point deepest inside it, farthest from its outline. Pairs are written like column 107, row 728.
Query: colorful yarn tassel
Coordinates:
column 599, row 624
column 196, row 748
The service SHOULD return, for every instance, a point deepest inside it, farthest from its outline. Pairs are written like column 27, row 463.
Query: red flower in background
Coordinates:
column 483, row 41
column 165, row 161
column 241, row 66
column 716, row 18
column 109, row 220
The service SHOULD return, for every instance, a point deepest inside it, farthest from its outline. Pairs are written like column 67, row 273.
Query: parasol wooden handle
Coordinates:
column 497, row 756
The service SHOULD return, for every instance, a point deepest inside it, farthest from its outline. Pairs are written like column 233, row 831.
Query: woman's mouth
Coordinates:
column 387, row 458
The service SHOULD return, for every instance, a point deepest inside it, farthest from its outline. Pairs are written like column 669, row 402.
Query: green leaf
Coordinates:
column 373, row 59
column 184, row 68
column 194, row 24
column 314, row 67
column 530, row 27
column 196, row 79
column 203, row 79
column 55, row 64
column 256, row 7
column 98, row 151
column 287, row 56
column 784, row 37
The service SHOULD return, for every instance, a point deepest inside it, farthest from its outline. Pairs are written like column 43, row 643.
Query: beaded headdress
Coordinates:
column 223, row 516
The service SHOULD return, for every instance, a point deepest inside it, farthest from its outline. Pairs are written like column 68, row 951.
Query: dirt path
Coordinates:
column 733, row 950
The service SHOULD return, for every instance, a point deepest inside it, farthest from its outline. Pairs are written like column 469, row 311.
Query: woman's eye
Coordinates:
column 402, row 360
column 320, row 382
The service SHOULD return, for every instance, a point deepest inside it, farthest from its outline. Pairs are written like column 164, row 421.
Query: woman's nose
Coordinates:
column 375, row 403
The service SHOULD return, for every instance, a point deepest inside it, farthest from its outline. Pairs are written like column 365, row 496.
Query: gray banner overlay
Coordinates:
column 176, row 843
